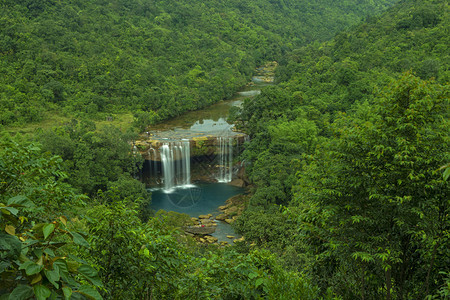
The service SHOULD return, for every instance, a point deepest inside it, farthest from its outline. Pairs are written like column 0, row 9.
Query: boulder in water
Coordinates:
column 202, row 229
column 222, row 217
column 207, row 222
column 237, row 182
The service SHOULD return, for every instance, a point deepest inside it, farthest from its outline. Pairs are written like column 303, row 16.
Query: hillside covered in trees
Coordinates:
column 348, row 153
column 156, row 59
column 347, row 159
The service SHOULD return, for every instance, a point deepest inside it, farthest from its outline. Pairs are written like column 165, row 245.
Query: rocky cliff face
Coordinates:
column 199, row 146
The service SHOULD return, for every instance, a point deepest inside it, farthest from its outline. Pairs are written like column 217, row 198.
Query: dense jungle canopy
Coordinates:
column 348, row 155
column 156, row 59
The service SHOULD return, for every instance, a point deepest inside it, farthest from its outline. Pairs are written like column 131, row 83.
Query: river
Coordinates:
column 199, row 193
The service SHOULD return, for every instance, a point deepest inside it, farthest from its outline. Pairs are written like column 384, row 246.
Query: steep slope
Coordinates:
column 156, row 59
column 292, row 120
column 347, row 156
column 412, row 36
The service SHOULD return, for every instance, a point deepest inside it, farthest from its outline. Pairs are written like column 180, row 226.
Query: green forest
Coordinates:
column 155, row 59
column 347, row 158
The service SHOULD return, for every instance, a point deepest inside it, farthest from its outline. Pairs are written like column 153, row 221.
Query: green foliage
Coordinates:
column 25, row 171
column 93, row 158
column 228, row 275
column 109, row 235
column 132, row 190
column 158, row 59
column 281, row 134
column 134, row 259
column 33, row 239
column 272, row 105
column 370, row 204
column 378, row 205
column 356, row 64
column 172, row 219
column 266, row 228
column 144, row 118
column 363, row 174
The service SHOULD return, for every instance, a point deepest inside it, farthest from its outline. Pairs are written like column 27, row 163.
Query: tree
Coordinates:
column 35, row 234
column 93, row 158
column 373, row 203
column 135, row 259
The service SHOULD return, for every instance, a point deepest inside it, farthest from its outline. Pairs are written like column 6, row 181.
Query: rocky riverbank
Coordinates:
column 204, row 225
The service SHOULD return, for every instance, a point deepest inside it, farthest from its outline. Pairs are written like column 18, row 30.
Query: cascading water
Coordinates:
column 212, row 142
column 168, row 166
column 225, row 155
column 176, row 164
column 186, row 150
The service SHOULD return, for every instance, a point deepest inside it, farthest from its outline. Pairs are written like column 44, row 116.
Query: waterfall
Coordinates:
column 225, row 157
column 168, row 166
column 171, row 163
column 178, row 159
column 186, row 162
column 176, row 164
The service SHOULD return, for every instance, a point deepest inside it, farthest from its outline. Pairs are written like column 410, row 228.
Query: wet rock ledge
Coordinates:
column 204, row 145
column 203, row 226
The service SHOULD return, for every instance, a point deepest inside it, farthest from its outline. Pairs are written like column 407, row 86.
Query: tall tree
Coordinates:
column 375, row 203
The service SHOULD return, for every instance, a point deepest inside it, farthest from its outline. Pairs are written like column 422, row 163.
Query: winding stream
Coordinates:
column 202, row 198
column 208, row 121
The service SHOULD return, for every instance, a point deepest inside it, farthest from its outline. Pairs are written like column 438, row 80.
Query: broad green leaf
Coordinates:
column 53, row 276
column 91, row 274
column 48, row 229
column 4, row 265
column 446, row 174
column 79, row 240
column 20, row 201
column 259, row 281
column 77, row 259
column 10, row 246
column 67, row 292
column 38, row 227
column 30, row 242
column 90, row 292
column 61, row 266
column 12, row 210
column 49, row 252
column 41, row 292
column 38, row 252
column 31, row 267
column 21, row 292
column 36, row 279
